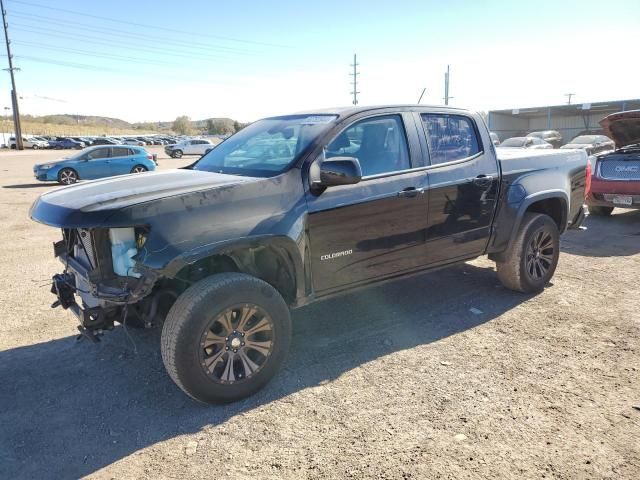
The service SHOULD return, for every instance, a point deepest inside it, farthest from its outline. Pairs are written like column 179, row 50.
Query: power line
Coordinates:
column 112, row 43
column 355, row 74
column 94, row 68
column 57, row 48
column 110, row 31
column 121, row 21
column 14, row 94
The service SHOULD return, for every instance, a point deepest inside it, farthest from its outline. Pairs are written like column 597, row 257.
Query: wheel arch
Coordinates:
column 274, row 259
column 554, row 203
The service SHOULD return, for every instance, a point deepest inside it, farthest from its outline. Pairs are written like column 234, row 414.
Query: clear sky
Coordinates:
column 150, row 60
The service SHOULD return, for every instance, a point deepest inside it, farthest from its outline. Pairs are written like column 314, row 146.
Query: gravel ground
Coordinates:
column 399, row 381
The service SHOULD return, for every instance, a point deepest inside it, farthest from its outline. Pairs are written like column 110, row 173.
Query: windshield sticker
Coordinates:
column 318, row 119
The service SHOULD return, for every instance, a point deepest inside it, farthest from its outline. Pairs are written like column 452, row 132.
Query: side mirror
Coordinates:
column 339, row 171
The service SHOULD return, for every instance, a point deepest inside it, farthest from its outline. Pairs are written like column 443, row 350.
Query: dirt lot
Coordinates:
column 401, row 381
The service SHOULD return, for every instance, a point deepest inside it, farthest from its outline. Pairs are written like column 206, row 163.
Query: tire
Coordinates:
column 139, row 169
column 35, row 147
column 14, row 146
column 600, row 211
column 531, row 260
column 176, row 154
column 68, row 176
column 207, row 326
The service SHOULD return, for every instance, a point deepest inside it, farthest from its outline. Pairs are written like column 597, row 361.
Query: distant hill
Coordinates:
column 95, row 123
column 66, row 119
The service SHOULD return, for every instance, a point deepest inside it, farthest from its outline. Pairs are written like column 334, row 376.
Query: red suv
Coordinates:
column 615, row 176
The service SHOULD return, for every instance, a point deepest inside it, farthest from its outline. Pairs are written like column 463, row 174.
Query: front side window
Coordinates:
column 98, row 153
column 450, row 137
column 379, row 144
column 267, row 147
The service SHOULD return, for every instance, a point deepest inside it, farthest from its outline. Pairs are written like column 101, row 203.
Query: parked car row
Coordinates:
column 548, row 139
column 41, row 142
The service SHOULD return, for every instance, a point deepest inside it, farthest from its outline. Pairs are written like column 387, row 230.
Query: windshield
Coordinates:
column 513, row 142
column 584, row 139
column 265, row 148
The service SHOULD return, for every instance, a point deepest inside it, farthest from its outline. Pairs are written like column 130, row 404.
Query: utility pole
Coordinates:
column 14, row 94
column 446, row 87
column 569, row 95
column 355, row 74
column 421, row 95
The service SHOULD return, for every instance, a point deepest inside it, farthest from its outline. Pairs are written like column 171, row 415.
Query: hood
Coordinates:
column 88, row 204
column 622, row 127
column 54, row 163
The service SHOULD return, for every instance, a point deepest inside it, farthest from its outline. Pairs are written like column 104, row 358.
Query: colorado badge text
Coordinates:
column 331, row 256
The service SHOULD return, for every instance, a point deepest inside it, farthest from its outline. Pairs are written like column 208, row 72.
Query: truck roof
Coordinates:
column 352, row 110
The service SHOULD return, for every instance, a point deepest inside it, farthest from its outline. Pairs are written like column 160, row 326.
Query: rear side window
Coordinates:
column 379, row 144
column 120, row 152
column 450, row 137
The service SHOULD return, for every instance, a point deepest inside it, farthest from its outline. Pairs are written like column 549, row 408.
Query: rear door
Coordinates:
column 463, row 186
column 121, row 161
column 375, row 228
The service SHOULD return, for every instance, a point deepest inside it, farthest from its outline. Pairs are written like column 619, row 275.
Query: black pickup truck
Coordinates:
column 294, row 209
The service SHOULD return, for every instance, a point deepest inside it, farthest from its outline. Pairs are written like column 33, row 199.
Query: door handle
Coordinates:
column 410, row 192
column 483, row 180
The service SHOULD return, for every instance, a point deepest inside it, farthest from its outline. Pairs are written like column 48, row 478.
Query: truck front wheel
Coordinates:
column 226, row 337
column 531, row 260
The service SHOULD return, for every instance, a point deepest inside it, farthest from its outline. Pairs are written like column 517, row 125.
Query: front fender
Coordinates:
column 287, row 245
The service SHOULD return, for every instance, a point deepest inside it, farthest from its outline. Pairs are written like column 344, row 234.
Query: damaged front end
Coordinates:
column 102, row 283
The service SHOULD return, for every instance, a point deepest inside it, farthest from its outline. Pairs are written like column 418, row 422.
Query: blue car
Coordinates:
column 96, row 162
column 61, row 143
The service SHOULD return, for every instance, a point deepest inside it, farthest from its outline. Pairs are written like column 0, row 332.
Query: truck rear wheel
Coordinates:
column 600, row 211
column 226, row 337
column 531, row 260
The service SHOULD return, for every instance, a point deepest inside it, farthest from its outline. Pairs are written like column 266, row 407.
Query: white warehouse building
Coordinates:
column 570, row 120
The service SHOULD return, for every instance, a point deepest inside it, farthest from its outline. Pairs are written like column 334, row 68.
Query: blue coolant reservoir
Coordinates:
column 123, row 248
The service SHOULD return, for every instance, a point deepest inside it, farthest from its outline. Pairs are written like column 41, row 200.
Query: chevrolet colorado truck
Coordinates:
column 614, row 180
column 294, row 209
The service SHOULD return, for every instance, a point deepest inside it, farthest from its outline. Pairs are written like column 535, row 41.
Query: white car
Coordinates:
column 29, row 142
column 196, row 146
column 526, row 142
column 133, row 141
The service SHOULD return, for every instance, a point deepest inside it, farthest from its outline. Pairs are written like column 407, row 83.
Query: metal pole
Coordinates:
column 14, row 94
column 421, row 95
column 355, row 80
column 446, row 86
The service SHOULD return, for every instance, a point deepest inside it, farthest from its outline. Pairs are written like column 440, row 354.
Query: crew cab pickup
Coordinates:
column 294, row 209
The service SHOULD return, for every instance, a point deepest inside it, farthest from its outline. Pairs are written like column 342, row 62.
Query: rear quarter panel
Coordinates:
column 531, row 176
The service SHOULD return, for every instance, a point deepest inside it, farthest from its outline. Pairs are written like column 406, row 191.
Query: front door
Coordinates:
column 463, row 187
column 95, row 165
column 377, row 227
